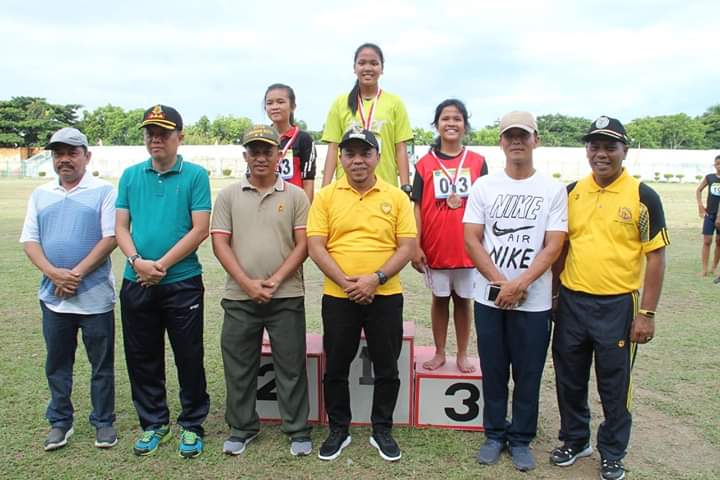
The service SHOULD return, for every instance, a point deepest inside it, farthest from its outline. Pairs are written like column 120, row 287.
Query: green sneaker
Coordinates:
column 151, row 440
column 191, row 444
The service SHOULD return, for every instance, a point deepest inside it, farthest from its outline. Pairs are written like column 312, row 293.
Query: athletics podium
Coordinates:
column 442, row 398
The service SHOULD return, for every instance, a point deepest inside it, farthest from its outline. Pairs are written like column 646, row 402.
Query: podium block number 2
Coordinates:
column 266, row 391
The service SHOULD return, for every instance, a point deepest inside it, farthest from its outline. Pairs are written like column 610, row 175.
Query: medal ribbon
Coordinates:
column 367, row 122
column 453, row 180
column 290, row 142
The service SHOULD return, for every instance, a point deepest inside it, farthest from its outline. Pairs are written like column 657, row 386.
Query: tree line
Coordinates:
column 30, row 121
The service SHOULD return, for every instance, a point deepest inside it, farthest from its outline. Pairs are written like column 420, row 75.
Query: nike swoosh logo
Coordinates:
column 499, row 232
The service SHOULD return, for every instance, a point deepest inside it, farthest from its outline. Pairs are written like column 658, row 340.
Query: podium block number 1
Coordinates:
column 367, row 377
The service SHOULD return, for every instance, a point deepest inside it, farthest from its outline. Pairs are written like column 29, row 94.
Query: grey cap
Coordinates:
column 67, row 136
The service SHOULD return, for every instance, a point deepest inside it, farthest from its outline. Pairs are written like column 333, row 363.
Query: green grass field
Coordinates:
column 677, row 409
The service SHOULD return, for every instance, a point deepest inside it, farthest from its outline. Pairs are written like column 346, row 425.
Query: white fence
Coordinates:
column 569, row 162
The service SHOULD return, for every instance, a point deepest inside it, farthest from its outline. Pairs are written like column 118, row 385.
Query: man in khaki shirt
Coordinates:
column 258, row 234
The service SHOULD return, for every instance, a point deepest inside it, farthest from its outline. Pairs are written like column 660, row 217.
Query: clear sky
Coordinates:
column 621, row 58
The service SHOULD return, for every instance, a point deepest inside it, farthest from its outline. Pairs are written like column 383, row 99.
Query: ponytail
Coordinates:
column 352, row 101
column 435, row 145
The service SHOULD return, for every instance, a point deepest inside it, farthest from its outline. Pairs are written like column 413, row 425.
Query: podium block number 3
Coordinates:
column 471, row 402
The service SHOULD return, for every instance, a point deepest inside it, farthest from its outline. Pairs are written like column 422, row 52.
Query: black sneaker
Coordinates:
column 106, row 437
column 566, row 455
column 386, row 446
column 334, row 444
column 612, row 469
column 57, row 438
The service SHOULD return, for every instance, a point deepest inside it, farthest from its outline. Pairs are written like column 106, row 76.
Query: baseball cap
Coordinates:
column 516, row 119
column 162, row 116
column 67, row 136
column 363, row 135
column 261, row 133
column 607, row 127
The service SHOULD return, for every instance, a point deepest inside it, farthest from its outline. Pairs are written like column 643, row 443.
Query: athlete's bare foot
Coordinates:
column 704, row 274
column 464, row 365
column 435, row 362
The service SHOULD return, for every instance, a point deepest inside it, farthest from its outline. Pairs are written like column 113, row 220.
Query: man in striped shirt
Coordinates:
column 68, row 234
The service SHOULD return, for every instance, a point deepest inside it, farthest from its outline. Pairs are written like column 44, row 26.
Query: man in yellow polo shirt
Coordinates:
column 616, row 229
column 361, row 233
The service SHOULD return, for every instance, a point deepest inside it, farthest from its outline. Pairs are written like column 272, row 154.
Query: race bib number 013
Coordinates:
column 443, row 185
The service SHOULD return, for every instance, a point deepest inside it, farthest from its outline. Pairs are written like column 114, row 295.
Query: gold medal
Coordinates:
column 454, row 201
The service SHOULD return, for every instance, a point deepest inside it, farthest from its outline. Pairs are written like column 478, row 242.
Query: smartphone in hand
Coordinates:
column 492, row 292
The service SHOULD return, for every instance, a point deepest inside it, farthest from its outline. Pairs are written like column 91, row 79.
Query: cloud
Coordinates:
column 217, row 57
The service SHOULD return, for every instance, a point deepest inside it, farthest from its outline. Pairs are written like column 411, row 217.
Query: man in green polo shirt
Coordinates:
column 163, row 215
column 258, row 234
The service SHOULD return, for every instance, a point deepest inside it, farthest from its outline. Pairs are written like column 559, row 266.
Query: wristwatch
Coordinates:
column 131, row 259
column 407, row 188
column 381, row 277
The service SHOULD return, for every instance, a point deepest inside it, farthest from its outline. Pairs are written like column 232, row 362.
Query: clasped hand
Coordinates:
column 361, row 289
column 260, row 291
column 149, row 272
column 511, row 294
column 66, row 282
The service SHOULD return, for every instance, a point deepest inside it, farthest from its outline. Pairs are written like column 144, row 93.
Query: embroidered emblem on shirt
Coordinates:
column 386, row 208
column 621, row 343
column 625, row 214
column 281, row 207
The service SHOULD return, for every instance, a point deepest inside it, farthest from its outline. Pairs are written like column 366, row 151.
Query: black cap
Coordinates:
column 356, row 133
column 607, row 127
column 162, row 116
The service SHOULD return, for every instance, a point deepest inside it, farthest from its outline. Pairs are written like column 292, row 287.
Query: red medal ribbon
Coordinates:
column 290, row 142
column 453, row 180
column 367, row 122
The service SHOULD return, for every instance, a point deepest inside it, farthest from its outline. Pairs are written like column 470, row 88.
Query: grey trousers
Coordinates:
column 241, row 343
